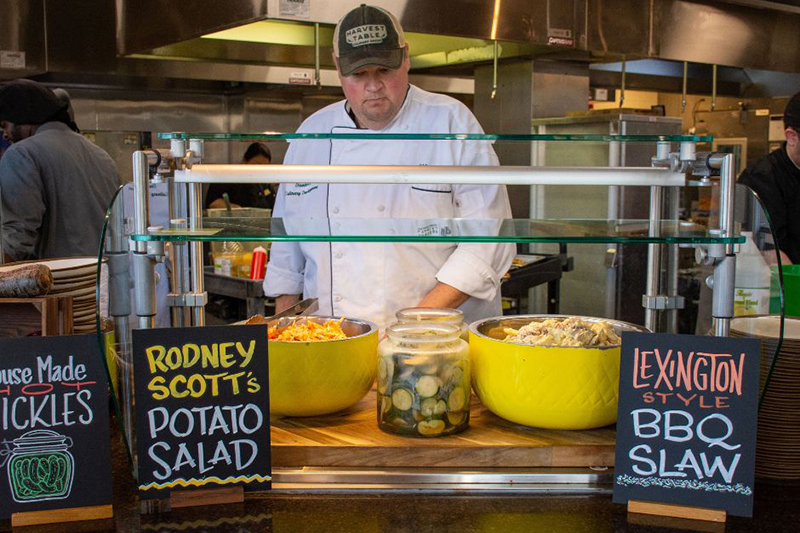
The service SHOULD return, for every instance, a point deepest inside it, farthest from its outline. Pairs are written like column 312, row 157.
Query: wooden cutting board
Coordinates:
column 351, row 438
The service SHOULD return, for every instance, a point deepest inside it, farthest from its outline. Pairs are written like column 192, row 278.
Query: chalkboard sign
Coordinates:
column 686, row 429
column 202, row 408
column 54, row 444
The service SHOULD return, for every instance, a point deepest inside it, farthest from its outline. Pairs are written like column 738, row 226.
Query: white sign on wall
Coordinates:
column 295, row 8
column 12, row 60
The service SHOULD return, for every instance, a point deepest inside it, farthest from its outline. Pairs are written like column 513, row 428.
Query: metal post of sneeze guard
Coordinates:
column 119, row 309
column 612, row 213
column 178, row 214
column 119, row 282
column 653, row 261
column 143, row 265
column 198, row 295
column 179, row 265
column 725, row 268
column 670, row 250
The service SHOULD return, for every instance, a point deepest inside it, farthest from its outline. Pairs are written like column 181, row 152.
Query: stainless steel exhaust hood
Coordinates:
column 191, row 39
column 739, row 33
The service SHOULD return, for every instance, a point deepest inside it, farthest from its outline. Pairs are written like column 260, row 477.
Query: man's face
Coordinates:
column 15, row 132
column 6, row 126
column 375, row 94
column 793, row 145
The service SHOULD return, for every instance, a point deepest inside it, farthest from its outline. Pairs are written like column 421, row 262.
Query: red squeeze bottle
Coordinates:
column 259, row 264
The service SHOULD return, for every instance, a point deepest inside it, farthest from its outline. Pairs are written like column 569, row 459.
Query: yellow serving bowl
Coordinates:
column 322, row 377
column 542, row 386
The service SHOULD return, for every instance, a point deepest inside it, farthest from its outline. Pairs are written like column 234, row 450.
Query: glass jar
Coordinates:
column 40, row 467
column 437, row 315
column 423, row 380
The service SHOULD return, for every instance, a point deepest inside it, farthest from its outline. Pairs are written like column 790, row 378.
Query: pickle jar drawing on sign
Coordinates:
column 40, row 467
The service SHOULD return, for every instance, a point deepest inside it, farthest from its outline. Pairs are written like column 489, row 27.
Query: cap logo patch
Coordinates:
column 366, row 34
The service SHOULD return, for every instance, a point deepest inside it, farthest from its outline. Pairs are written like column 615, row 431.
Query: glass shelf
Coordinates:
column 274, row 136
column 439, row 231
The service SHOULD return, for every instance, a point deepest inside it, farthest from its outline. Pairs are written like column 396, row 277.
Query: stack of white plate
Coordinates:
column 778, row 446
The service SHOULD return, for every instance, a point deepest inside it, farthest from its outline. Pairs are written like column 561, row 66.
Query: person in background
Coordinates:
column 245, row 194
column 4, row 144
column 55, row 185
column 374, row 280
column 776, row 179
column 64, row 96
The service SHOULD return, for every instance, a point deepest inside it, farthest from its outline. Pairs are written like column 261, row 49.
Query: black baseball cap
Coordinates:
column 368, row 36
column 791, row 115
column 27, row 102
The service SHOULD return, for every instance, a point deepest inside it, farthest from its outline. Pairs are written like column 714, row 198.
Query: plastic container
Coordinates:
column 752, row 286
column 434, row 315
column 258, row 265
column 791, row 290
column 241, row 264
column 423, row 380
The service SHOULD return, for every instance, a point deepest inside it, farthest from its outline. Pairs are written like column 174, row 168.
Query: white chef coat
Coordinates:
column 374, row 280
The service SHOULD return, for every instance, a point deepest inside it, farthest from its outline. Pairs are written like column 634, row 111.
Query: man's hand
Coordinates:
column 285, row 301
column 444, row 295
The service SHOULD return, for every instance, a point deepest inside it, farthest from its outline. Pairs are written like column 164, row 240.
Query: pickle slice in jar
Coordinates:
column 386, row 404
column 430, row 427
column 383, row 368
column 427, row 386
column 402, row 423
column 456, row 418
column 427, row 407
column 402, row 399
column 384, row 374
column 457, row 399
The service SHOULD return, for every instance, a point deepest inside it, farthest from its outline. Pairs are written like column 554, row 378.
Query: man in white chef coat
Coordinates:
column 374, row 280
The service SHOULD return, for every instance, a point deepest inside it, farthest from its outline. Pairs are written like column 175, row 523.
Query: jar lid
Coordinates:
column 423, row 331
column 430, row 314
column 40, row 438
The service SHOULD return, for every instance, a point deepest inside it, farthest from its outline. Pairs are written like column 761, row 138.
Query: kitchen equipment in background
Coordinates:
column 614, row 275
column 733, row 145
column 233, row 258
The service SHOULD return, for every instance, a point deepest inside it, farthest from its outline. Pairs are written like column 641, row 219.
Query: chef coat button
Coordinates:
column 338, row 298
column 338, row 255
column 381, row 208
column 335, row 210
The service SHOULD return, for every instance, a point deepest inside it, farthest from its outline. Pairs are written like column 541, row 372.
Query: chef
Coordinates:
column 374, row 280
column 776, row 179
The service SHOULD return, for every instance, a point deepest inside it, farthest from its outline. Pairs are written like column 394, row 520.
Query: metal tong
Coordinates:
column 306, row 307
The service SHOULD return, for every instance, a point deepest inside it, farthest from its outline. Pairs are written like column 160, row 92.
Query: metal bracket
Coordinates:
column 662, row 302
column 191, row 299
